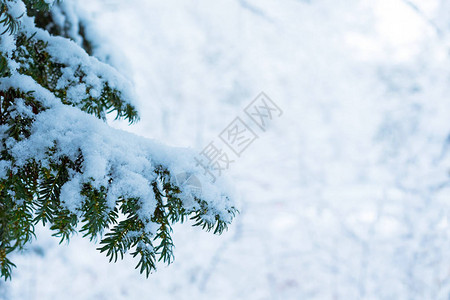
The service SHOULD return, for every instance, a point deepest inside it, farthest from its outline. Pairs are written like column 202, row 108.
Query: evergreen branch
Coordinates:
column 10, row 23
column 64, row 223
column 147, row 259
column 30, row 188
column 5, row 264
column 117, row 242
column 48, row 195
column 95, row 212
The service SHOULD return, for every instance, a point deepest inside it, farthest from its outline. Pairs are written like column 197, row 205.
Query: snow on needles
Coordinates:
column 123, row 162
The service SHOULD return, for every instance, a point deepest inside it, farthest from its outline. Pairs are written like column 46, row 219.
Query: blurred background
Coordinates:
column 345, row 196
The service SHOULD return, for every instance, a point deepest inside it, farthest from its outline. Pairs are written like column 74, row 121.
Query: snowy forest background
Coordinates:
column 346, row 196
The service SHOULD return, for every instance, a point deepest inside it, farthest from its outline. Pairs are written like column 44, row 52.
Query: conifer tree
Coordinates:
column 64, row 167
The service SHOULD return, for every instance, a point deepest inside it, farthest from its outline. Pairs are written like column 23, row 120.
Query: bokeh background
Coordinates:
column 345, row 196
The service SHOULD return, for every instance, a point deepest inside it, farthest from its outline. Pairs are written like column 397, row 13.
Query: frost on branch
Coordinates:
column 62, row 165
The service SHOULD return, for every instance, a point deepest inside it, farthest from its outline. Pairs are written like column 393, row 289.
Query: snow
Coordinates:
column 109, row 155
column 344, row 197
